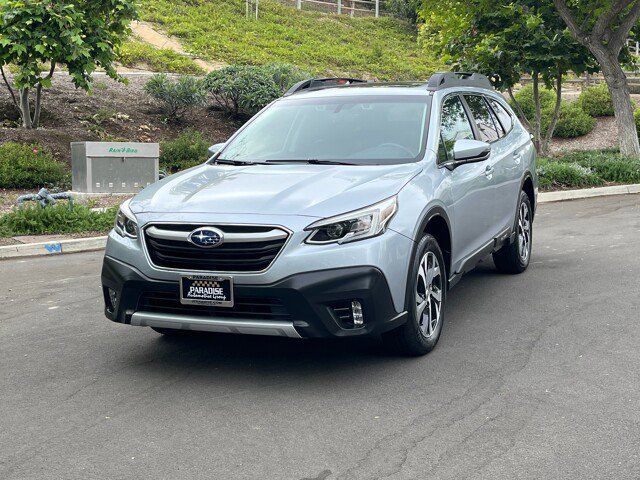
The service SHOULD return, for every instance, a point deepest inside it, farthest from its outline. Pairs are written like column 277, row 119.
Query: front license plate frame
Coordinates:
column 205, row 296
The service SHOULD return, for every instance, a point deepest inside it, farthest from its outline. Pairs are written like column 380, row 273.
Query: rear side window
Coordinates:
column 454, row 126
column 483, row 118
column 502, row 114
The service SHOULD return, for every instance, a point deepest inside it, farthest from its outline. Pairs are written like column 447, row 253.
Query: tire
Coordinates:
column 170, row 332
column 417, row 337
column 515, row 257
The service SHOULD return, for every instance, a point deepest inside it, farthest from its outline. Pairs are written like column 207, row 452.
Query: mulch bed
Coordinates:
column 71, row 115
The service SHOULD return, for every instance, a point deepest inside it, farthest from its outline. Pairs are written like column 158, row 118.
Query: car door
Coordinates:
column 498, row 166
column 514, row 148
column 470, row 186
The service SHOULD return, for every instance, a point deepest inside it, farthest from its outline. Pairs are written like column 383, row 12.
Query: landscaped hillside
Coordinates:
column 382, row 48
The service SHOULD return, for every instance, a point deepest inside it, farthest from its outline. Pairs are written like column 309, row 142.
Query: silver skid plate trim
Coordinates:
column 217, row 324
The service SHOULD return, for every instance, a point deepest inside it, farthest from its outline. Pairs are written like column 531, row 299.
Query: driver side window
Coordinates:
column 454, row 126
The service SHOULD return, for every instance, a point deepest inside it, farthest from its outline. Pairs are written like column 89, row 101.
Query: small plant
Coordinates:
column 176, row 97
column 636, row 116
column 241, row 90
column 285, row 75
column 59, row 218
column 524, row 97
column 596, row 101
column 186, row 151
column 553, row 174
column 30, row 166
column 609, row 165
column 573, row 121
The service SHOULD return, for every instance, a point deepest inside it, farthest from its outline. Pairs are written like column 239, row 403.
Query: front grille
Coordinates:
column 249, row 249
column 244, row 307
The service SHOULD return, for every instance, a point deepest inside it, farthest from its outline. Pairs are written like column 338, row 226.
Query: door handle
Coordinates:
column 488, row 171
column 517, row 158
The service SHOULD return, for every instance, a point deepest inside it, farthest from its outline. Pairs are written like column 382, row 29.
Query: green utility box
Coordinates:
column 113, row 167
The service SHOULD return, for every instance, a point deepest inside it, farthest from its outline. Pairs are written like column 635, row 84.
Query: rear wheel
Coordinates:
column 514, row 258
column 425, row 306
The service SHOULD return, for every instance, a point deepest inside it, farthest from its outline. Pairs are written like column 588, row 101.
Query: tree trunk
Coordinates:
column 538, row 111
column 546, row 142
column 25, row 109
column 38, row 109
column 616, row 80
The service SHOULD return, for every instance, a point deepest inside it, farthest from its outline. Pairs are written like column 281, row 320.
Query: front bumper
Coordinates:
column 306, row 303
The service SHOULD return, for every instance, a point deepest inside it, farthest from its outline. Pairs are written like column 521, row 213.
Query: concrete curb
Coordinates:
column 588, row 193
column 98, row 243
column 53, row 248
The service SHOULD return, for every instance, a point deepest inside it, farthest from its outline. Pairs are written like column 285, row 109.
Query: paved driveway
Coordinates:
column 536, row 376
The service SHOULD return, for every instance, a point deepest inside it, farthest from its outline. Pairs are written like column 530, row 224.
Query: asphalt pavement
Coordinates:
column 535, row 376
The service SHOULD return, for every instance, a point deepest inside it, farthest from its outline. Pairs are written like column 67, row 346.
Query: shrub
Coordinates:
column 241, row 90
column 554, row 174
column 572, row 121
column 524, row 97
column 60, row 218
column 134, row 53
column 609, row 165
column 285, row 75
column 596, row 101
column 29, row 166
column 176, row 97
column 405, row 9
column 636, row 116
column 186, row 151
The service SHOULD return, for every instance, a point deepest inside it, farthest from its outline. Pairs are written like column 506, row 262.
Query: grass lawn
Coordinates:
column 383, row 48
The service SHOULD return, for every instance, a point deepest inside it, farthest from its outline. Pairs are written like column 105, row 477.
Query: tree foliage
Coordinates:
column 504, row 42
column 80, row 35
column 603, row 27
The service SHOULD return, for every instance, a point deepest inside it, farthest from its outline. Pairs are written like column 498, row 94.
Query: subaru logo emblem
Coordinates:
column 206, row 237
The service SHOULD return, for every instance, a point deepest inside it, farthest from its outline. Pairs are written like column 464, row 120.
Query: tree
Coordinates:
column 504, row 42
column 603, row 26
column 81, row 35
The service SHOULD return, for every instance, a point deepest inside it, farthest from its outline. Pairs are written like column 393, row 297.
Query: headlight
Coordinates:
column 357, row 225
column 126, row 224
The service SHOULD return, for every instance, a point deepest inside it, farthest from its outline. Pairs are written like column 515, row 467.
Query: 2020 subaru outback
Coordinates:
column 344, row 208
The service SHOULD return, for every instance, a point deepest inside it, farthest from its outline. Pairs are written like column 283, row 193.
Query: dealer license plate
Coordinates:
column 206, row 290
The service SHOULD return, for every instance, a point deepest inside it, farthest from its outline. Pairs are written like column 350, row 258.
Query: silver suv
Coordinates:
column 344, row 208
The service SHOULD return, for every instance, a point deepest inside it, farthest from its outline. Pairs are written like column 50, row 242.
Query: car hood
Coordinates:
column 298, row 189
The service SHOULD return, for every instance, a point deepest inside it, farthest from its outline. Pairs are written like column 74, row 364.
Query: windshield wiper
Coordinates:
column 232, row 162
column 312, row 161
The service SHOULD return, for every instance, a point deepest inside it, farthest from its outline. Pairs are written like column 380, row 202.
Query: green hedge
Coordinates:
column 243, row 90
column 186, row 151
column 30, row 166
column 572, row 121
column 596, row 101
column 587, row 169
column 60, row 218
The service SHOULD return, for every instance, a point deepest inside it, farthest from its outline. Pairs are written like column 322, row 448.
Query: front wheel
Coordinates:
column 514, row 258
column 425, row 305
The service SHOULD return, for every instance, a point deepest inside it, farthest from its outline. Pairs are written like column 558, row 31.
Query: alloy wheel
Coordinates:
column 429, row 294
column 524, row 232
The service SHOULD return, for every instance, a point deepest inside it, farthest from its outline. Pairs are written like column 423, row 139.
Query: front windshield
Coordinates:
column 356, row 130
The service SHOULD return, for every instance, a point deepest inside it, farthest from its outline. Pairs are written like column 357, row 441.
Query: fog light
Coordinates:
column 356, row 313
column 113, row 299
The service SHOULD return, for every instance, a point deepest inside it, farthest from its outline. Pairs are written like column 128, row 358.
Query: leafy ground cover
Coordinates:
column 592, row 168
column 382, row 48
column 60, row 218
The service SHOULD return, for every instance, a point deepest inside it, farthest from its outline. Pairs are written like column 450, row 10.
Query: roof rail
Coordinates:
column 441, row 80
column 319, row 83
